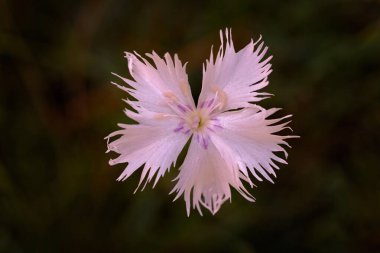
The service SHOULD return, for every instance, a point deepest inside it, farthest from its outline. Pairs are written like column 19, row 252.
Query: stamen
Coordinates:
column 221, row 95
column 198, row 121
column 171, row 96
column 185, row 87
column 159, row 116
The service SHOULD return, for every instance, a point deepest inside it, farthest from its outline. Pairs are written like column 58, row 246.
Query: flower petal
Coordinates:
column 156, row 87
column 158, row 91
column 250, row 137
column 236, row 75
column 155, row 146
column 207, row 175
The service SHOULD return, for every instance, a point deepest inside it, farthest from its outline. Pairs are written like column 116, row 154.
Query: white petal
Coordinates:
column 207, row 175
column 155, row 146
column 155, row 87
column 238, row 75
column 252, row 138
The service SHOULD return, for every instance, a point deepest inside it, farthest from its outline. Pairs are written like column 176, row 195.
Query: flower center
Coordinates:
column 197, row 120
column 200, row 121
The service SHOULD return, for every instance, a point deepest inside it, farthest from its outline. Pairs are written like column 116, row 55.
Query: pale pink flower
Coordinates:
column 232, row 139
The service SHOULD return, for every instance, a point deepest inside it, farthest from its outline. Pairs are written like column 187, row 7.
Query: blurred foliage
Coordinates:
column 57, row 191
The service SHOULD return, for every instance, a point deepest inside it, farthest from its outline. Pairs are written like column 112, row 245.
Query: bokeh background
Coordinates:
column 57, row 191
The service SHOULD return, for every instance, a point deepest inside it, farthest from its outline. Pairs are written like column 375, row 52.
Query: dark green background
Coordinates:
column 57, row 191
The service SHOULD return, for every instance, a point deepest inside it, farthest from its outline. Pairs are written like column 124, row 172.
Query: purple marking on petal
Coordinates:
column 179, row 128
column 187, row 131
column 204, row 143
column 202, row 104
column 210, row 102
column 198, row 138
column 210, row 128
column 182, row 108
column 216, row 122
column 189, row 107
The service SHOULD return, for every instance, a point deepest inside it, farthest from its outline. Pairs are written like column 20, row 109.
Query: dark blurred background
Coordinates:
column 57, row 191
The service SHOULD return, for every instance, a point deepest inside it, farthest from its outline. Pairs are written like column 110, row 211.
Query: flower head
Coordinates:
column 232, row 138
